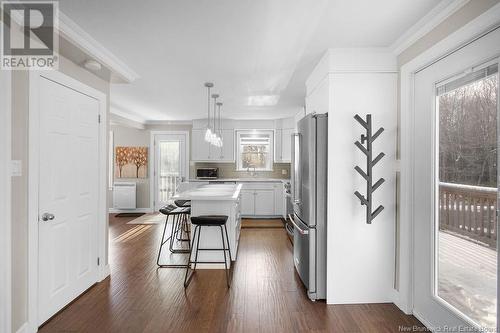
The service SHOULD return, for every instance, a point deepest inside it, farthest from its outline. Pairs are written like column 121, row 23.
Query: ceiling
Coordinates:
column 246, row 47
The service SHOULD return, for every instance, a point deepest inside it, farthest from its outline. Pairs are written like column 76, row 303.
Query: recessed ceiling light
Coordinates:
column 263, row 100
column 92, row 65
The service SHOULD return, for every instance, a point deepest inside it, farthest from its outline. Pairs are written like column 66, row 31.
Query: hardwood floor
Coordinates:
column 266, row 294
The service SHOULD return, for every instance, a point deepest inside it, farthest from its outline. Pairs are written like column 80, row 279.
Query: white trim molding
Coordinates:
column 23, row 328
column 137, row 210
column 5, row 202
column 33, row 179
column 74, row 34
column 436, row 16
column 473, row 30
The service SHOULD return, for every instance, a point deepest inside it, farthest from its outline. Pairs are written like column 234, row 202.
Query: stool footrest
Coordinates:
column 207, row 262
column 200, row 249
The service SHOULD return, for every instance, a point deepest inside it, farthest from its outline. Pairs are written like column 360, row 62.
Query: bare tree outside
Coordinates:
column 468, row 134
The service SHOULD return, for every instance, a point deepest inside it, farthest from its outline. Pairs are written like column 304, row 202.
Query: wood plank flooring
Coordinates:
column 266, row 294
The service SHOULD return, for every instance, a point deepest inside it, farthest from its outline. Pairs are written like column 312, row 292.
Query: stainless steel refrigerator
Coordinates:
column 309, row 196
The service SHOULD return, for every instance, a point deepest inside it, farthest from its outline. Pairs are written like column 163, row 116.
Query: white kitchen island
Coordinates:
column 214, row 199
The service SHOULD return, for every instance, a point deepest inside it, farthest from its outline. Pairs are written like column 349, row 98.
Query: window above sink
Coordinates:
column 254, row 150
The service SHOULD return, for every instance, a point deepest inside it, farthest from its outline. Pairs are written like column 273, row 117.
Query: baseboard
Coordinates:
column 423, row 321
column 257, row 217
column 104, row 272
column 23, row 328
column 136, row 210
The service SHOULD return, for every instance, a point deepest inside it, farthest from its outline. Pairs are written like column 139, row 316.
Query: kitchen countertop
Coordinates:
column 211, row 192
column 243, row 180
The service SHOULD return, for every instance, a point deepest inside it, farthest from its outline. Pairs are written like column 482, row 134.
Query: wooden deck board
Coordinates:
column 467, row 277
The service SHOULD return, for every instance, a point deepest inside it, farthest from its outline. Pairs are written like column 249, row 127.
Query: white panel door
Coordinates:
column 68, row 187
column 454, row 273
column 264, row 202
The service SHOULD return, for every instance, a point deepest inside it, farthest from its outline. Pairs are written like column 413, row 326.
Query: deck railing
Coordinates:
column 168, row 186
column 469, row 211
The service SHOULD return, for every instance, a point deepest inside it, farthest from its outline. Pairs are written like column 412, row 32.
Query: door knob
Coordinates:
column 48, row 217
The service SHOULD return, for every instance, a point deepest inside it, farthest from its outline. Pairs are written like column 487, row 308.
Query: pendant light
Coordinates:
column 215, row 135
column 208, row 132
column 220, row 142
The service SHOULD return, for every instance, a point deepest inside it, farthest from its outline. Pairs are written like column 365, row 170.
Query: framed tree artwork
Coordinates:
column 131, row 162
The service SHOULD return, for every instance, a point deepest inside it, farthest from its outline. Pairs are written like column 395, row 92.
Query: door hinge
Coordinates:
column 99, row 118
column 98, row 261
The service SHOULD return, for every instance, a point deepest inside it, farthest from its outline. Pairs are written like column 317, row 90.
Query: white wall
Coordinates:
column 360, row 257
column 126, row 133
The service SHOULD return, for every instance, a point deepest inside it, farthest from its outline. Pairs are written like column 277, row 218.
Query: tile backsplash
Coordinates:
column 228, row 170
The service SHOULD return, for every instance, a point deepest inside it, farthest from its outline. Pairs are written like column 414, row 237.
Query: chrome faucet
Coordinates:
column 251, row 173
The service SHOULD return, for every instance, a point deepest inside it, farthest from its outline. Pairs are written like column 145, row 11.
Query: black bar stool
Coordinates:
column 178, row 214
column 208, row 221
column 183, row 224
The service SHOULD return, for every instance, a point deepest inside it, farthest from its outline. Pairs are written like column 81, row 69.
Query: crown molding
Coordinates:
column 140, row 121
column 436, row 16
column 74, row 34
column 169, row 122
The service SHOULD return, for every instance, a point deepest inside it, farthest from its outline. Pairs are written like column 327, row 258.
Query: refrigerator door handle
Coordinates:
column 296, row 181
column 302, row 231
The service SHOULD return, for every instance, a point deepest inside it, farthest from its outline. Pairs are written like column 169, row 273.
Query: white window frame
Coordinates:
column 403, row 298
column 239, row 161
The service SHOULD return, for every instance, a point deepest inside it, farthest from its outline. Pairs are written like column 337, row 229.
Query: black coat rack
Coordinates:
column 368, row 175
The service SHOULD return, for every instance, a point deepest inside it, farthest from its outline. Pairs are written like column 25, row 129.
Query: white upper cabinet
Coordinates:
column 203, row 151
column 283, row 144
column 227, row 149
column 286, row 144
column 200, row 149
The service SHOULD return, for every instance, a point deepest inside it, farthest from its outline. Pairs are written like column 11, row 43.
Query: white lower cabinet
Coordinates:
column 264, row 202
column 262, row 199
column 247, row 202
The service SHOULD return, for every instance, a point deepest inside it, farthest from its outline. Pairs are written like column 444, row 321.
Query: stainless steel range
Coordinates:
column 309, row 197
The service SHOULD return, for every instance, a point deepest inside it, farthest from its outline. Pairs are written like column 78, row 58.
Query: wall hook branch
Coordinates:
column 368, row 138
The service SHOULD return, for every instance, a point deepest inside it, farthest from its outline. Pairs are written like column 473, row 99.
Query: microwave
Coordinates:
column 207, row 173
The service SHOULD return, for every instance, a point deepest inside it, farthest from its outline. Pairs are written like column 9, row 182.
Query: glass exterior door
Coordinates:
column 170, row 168
column 455, row 141
column 466, row 233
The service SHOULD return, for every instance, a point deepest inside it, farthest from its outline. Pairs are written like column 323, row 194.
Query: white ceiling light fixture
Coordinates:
column 263, row 100
column 208, row 132
column 92, row 65
column 213, row 135
column 215, row 139
column 219, row 142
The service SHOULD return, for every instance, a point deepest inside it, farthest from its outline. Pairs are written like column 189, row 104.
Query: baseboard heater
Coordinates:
column 124, row 195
